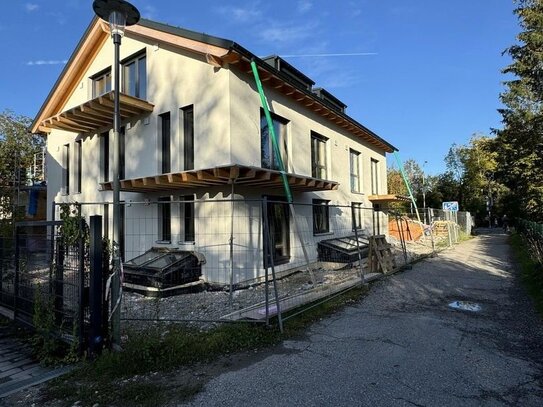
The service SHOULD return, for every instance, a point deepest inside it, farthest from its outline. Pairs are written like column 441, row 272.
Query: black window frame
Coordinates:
column 104, row 156
column 165, row 219
column 78, row 165
column 188, row 217
column 354, row 177
column 266, row 141
column 188, row 137
column 65, row 169
column 165, row 143
column 319, row 164
column 104, row 74
column 321, row 208
column 356, row 208
column 140, row 86
column 122, row 153
column 374, row 173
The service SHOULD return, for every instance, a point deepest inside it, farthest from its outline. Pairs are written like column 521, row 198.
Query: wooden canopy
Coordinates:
column 96, row 114
column 223, row 175
column 381, row 199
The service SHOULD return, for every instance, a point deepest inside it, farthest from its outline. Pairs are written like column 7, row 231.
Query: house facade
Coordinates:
column 194, row 135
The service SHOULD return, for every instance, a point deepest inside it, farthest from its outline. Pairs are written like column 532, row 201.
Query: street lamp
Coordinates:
column 119, row 14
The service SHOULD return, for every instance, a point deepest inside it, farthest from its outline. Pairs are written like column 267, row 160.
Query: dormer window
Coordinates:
column 101, row 83
column 135, row 76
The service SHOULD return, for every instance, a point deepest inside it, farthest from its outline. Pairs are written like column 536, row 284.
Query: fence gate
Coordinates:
column 44, row 278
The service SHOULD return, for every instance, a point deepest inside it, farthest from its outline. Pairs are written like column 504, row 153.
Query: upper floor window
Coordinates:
column 101, row 83
column 318, row 156
column 268, row 154
column 78, row 165
column 374, row 177
column 135, row 77
column 65, row 169
column 354, row 166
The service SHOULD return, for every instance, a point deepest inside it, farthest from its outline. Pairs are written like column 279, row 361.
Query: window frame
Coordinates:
column 164, row 219
column 104, row 74
column 104, row 157
column 321, row 204
column 188, row 218
column 354, row 177
column 356, row 221
column 374, row 173
column 65, row 169
column 319, row 163
column 282, row 139
column 78, row 166
column 165, row 143
column 187, row 125
column 140, row 91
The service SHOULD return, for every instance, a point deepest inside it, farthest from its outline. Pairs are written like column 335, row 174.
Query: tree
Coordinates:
column 519, row 145
column 17, row 149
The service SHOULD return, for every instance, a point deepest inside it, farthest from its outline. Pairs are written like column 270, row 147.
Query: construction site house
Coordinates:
column 192, row 129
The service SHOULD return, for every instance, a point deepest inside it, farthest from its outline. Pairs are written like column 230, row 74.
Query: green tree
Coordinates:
column 519, row 145
column 17, row 149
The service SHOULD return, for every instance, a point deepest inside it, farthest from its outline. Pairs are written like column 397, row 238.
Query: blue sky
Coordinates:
column 432, row 79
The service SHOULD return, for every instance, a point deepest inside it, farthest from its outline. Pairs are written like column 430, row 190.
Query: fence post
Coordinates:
column 353, row 216
column 16, row 279
column 95, row 290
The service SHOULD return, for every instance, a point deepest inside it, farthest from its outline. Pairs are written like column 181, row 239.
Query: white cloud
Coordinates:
column 287, row 34
column 240, row 14
column 31, row 7
column 304, row 6
column 149, row 12
column 47, row 62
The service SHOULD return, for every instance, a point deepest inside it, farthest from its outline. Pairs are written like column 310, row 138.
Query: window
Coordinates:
column 165, row 143
column 374, row 177
column 122, row 154
column 279, row 230
column 66, row 169
column 354, row 166
column 104, row 157
column 318, row 156
column 269, row 157
column 321, row 216
column 187, row 214
column 188, row 137
column 165, row 219
column 101, row 83
column 78, row 165
column 135, row 77
column 357, row 215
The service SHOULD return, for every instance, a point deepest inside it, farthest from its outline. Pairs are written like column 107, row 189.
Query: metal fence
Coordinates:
column 43, row 279
column 206, row 261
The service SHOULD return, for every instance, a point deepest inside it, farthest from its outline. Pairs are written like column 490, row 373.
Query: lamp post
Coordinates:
column 119, row 14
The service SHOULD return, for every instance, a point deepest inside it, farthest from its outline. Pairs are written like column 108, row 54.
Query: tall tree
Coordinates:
column 17, row 149
column 519, row 145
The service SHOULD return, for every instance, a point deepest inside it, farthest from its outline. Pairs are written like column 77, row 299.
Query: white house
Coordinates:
column 193, row 133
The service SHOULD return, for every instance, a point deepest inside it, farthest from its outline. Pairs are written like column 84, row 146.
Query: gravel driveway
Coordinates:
column 404, row 346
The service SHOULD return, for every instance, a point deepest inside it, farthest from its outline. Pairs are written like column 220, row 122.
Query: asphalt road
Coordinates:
column 404, row 346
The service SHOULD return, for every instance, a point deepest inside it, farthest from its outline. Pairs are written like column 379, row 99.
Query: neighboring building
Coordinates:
column 194, row 130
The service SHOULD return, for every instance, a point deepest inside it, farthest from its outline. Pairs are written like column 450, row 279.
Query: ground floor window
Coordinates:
column 279, row 232
column 321, row 216
column 357, row 215
column 164, row 219
column 187, row 218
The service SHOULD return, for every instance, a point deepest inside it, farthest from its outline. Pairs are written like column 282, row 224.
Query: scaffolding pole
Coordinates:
column 282, row 170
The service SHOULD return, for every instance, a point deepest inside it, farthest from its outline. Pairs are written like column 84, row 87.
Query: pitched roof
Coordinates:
column 218, row 51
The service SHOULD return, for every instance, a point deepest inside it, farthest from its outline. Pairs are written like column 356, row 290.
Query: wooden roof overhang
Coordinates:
column 223, row 175
column 96, row 114
column 381, row 199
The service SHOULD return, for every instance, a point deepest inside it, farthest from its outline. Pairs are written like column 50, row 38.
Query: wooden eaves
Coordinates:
column 381, row 199
column 222, row 175
column 95, row 114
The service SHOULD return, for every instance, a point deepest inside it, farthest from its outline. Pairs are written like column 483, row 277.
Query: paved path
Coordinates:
column 18, row 369
column 403, row 346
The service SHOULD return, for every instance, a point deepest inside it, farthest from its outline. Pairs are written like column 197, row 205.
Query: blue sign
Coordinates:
column 450, row 206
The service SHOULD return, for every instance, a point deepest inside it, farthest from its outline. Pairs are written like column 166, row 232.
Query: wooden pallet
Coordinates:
column 380, row 256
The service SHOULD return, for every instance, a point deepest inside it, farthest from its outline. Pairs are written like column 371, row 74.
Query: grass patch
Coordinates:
column 531, row 271
column 130, row 377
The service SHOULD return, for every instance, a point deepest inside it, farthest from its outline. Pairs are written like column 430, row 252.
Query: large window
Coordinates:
column 269, row 157
column 318, row 156
column 354, row 166
column 101, row 83
column 78, row 165
column 165, row 143
column 187, row 216
column 357, row 215
column 374, row 177
column 66, row 169
column 321, row 216
column 187, row 117
column 279, row 230
column 164, row 219
column 135, row 77
column 104, row 157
